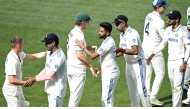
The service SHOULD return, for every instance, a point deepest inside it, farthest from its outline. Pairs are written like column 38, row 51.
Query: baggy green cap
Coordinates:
column 82, row 16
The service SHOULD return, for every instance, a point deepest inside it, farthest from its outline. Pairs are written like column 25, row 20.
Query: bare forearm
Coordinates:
column 15, row 81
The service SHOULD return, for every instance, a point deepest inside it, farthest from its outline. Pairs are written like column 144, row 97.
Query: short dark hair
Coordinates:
column 16, row 40
column 107, row 26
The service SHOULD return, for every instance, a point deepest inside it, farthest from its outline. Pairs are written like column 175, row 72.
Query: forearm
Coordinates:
column 83, row 59
column 89, row 54
column 160, row 47
column 43, row 72
column 15, row 81
column 35, row 56
column 46, row 76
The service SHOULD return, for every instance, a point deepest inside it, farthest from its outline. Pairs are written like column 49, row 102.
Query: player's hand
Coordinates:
column 98, row 70
column 182, row 68
column 93, row 71
column 167, row 24
column 27, row 78
column 94, row 48
column 79, row 43
column 149, row 59
column 30, row 82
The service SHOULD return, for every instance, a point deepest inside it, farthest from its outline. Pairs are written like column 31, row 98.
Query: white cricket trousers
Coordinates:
column 158, row 64
column 135, row 76
column 15, row 97
column 187, row 73
column 176, row 79
column 108, row 89
column 76, row 86
column 55, row 101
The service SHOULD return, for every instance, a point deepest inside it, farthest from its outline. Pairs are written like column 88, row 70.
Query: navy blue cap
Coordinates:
column 120, row 18
column 157, row 3
column 50, row 38
column 174, row 14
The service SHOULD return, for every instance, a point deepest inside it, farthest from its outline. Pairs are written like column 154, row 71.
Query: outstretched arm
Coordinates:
column 35, row 56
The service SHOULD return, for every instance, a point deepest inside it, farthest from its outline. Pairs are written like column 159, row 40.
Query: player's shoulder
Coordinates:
column 183, row 28
column 132, row 31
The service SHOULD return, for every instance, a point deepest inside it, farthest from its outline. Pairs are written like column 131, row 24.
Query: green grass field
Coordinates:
column 33, row 19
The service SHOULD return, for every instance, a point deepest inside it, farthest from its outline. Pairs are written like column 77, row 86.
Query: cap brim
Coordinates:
column 45, row 41
column 166, row 5
column 116, row 22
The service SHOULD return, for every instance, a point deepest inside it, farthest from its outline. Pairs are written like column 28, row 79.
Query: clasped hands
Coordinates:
column 29, row 81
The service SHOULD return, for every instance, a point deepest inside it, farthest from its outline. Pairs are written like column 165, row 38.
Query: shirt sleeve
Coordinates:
column 133, row 40
column 11, row 67
column 160, row 28
column 186, row 37
column 22, row 55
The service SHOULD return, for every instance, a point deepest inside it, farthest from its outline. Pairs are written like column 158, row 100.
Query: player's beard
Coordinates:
column 101, row 37
column 50, row 47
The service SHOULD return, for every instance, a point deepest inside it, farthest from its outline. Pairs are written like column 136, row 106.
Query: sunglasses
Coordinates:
column 118, row 21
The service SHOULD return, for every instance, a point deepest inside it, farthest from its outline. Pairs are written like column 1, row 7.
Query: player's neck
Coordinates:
column 54, row 50
column 16, row 51
column 175, row 26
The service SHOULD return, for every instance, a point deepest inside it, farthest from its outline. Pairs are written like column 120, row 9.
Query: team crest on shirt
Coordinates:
column 56, row 66
column 125, row 39
column 134, row 40
column 168, row 33
column 188, row 37
column 176, row 35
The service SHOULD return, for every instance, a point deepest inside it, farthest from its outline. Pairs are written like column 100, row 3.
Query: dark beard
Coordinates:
column 101, row 37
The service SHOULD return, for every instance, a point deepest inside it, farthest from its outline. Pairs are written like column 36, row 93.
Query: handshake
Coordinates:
column 29, row 81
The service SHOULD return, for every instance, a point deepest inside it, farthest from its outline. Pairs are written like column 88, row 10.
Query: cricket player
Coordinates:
column 12, row 87
column 152, row 37
column 178, row 40
column 130, row 47
column 76, row 59
column 55, row 72
column 186, row 87
column 109, row 68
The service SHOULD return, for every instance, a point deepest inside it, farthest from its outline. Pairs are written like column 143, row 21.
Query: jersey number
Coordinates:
column 147, row 29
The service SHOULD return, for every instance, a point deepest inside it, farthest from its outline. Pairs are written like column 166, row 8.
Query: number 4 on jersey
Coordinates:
column 147, row 29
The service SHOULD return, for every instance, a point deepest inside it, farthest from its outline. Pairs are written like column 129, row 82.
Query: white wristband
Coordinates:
column 41, row 55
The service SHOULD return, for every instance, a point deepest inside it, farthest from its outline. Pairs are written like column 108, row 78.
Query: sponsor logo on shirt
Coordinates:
column 56, row 66
column 172, row 40
column 134, row 40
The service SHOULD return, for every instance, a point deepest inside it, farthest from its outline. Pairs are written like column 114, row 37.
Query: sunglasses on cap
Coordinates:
column 47, row 40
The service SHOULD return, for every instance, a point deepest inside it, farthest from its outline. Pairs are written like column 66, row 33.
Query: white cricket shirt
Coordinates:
column 176, row 40
column 107, row 52
column 153, row 33
column 128, row 39
column 56, row 62
column 74, row 65
column 14, row 66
